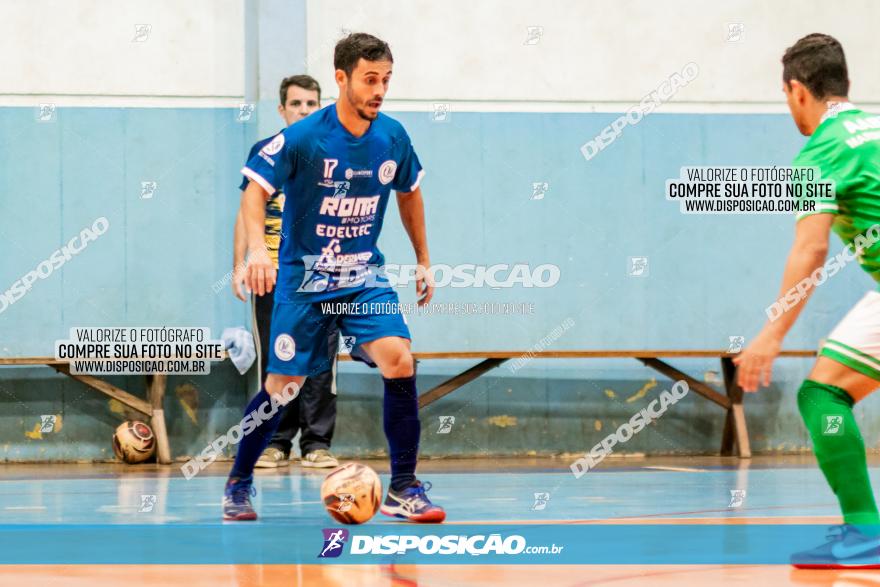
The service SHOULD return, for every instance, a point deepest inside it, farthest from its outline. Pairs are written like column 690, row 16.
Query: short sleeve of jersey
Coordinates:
column 820, row 156
column 244, row 180
column 409, row 171
column 274, row 163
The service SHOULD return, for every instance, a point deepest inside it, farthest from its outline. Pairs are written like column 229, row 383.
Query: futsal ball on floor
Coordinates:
column 351, row 493
column 134, row 442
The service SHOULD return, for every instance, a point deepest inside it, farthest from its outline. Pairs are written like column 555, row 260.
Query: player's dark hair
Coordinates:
column 358, row 46
column 305, row 82
column 818, row 62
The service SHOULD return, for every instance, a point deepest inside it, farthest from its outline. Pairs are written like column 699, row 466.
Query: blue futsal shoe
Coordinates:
column 237, row 499
column 847, row 548
column 412, row 504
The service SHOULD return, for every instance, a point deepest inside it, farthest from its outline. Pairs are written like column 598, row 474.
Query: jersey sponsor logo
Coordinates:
column 865, row 130
column 387, row 171
column 348, row 207
column 285, row 347
column 332, row 248
column 359, row 219
column 350, row 173
column 333, row 231
column 331, row 258
column 332, row 270
column 860, row 124
column 274, row 145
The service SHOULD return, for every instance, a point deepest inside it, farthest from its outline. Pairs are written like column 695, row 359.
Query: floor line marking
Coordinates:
column 676, row 469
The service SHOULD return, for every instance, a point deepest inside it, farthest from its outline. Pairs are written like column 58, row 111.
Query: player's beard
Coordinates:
column 358, row 107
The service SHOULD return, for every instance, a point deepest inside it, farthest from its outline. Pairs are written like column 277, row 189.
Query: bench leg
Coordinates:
column 694, row 385
column 447, row 387
column 156, row 385
column 735, row 433
column 111, row 391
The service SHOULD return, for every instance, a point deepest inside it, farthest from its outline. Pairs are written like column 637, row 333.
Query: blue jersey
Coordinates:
column 274, row 208
column 337, row 187
column 254, row 150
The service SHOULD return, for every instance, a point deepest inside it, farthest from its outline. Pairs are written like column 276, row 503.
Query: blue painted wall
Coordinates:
column 709, row 277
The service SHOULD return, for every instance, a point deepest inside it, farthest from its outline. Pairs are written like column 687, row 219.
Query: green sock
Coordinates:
column 840, row 450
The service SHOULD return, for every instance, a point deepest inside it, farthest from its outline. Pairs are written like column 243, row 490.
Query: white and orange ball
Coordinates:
column 352, row 493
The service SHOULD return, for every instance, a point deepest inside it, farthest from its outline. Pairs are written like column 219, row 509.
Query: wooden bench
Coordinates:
column 734, row 438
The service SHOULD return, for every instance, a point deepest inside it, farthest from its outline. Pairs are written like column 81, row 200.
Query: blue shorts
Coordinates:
column 300, row 330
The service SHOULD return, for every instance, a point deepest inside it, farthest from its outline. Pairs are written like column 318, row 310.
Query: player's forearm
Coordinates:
column 802, row 261
column 253, row 211
column 412, row 215
column 239, row 242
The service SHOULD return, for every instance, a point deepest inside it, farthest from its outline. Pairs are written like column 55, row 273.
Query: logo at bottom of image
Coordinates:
column 479, row 544
column 334, row 540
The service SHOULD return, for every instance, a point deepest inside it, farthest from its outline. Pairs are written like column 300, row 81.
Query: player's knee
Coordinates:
column 399, row 365
column 812, row 396
column 278, row 384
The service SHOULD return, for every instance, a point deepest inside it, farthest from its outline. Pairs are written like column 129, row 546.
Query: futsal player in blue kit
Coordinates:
column 338, row 167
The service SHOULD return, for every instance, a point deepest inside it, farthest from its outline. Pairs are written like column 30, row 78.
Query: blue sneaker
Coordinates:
column 412, row 504
column 237, row 499
column 847, row 548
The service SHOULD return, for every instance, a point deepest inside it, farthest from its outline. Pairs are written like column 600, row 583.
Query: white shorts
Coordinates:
column 855, row 341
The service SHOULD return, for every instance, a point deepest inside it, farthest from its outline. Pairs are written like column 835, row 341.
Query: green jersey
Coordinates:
column 846, row 149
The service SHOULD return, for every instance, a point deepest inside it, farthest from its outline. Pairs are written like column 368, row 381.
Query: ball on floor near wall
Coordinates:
column 134, row 442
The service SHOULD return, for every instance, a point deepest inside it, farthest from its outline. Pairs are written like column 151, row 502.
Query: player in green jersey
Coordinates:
column 844, row 145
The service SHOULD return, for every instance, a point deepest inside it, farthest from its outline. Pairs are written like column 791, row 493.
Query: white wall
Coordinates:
column 86, row 48
column 594, row 51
